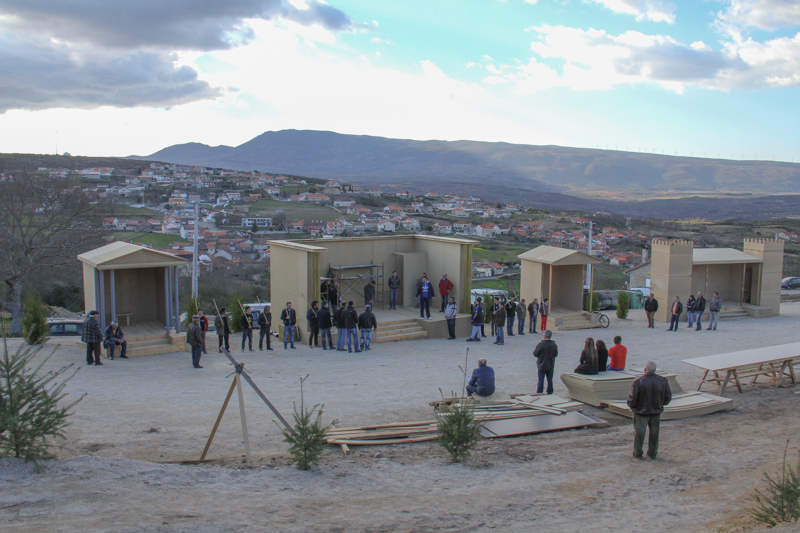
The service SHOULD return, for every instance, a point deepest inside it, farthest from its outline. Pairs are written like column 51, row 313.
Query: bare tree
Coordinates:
column 45, row 222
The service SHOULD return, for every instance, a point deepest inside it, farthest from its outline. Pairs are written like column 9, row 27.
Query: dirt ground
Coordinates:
column 141, row 416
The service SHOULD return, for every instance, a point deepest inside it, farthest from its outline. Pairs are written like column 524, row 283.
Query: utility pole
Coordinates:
column 589, row 251
column 194, row 251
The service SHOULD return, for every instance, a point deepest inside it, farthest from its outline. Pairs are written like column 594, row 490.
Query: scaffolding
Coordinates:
column 349, row 277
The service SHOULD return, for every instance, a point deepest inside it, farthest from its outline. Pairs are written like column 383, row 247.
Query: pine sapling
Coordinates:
column 307, row 438
column 34, row 324
column 781, row 501
column 457, row 427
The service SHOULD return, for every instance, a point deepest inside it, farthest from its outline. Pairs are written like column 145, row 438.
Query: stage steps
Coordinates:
column 572, row 322
column 733, row 313
column 399, row 330
column 153, row 342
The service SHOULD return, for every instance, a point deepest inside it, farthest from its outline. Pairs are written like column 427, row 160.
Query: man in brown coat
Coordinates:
column 194, row 336
column 499, row 321
column 649, row 394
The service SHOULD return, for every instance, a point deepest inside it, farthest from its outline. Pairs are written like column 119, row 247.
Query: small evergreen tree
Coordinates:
column 254, row 229
column 781, row 501
column 190, row 310
column 458, row 429
column 34, row 323
column 595, row 301
column 623, row 304
column 30, row 415
column 236, row 313
column 306, row 439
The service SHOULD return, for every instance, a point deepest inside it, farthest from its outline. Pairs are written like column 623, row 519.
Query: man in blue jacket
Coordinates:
column 482, row 380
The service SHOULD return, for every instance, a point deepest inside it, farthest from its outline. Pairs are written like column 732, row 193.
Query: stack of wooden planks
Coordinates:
column 683, row 405
column 398, row 433
column 600, row 389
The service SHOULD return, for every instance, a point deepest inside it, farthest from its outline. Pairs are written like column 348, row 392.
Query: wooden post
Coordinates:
column 112, row 283
column 550, row 291
column 244, row 420
column 741, row 294
column 591, row 288
column 102, row 302
column 219, row 418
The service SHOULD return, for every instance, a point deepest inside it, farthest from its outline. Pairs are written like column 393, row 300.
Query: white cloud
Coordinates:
column 653, row 10
column 764, row 14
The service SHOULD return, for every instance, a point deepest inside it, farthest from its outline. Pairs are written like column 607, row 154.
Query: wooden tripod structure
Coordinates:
column 240, row 374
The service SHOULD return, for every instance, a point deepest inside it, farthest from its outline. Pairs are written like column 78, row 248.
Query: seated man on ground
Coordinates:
column 617, row 355
column 482, row 380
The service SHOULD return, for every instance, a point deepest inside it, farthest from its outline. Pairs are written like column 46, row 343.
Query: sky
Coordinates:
column 707, row 78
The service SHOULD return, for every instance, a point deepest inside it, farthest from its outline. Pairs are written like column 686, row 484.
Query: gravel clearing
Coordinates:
column 141, row 416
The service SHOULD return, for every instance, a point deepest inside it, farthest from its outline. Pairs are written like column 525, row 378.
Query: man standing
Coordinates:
column 247, row 328
column 325, row 322
column 203, row 327
column 650, row 307
column 544, row 310
column 333, row 295
column 367, row 324
column 341, row 329
column 450, row 313
column 289, row 319
column 522, row 311
column 676, row 310
column 511, row 312
column 394, row 287
column 495, row 305
column 649, row 394
column 445, row 286
column 419, row 282
column 499, row 321
column 713, row 311
column 425, row 293
column 477, row 320
column 545, row 353
column 323, row 290
column 533, row 313
column 223, row 329
column 699, row 309
column 264, row 327
column 114, row 338
column 351, row 323
column 92, row 335
column 313, row 324
column 617, row 356
column 482, row 380
column 194, row 336
column 369, row 293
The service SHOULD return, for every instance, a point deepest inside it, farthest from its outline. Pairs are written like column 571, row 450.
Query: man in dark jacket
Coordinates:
column 649, row 394
column 351, row 324
column 265, row 325
column 545, row 353
column 494, row 305
column 313, row 324
column 482, row 380
column 223, row 328
column 544, row 311
column 203, row 327
column 333, row 295
column 289, row 319
column 522, row 311
column 419, row 283
column 247, row 328
column 369, row 293
column 114, row 338
column 511, row 313
column 325, row 321
column 533, row 313
column 394, row 287
column 367, row 324
column 341, row 329
column 499, row 321
column 92, row 335
column 713, row 311
column 699, row 309
column 675, row 312
column 478, row 316
column 194, row 336
column 425, row 293
column 650, row 307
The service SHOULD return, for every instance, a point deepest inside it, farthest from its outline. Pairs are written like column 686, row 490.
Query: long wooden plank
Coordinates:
column 383, row 442
column 755, row 356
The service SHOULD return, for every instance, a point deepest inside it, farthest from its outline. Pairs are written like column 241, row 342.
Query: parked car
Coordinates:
column 790, row 283
column 63, row 327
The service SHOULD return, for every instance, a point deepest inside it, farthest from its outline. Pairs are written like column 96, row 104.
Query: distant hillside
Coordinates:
column 442, row 165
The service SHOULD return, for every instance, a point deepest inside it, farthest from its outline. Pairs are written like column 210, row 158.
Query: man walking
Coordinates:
column 367, row 324
column 194, row 336
column 713, row 311
column 544, row 310
column 247, row 328
column 394, row 287
column 223, row 329
column 92, row 335
column 289, row 320
column 264, row 327
column 482, row 380
column 533, row 313
column 445, row 286
column 649, row 394
column 478, row 315
column 450, row 313
column 369, row 293
column 114, row 338
column 522, row 311
column 699, row 309
column 511, row 312
column 545, row 353
column 650, row 307
column 500, row 321
column 351, row 324
column 325, row 322
column 676, row 310
column 425, row 293
column 203, row 327
column 313, row 324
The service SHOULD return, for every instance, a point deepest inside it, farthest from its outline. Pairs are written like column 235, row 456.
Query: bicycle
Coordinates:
column 602, row 319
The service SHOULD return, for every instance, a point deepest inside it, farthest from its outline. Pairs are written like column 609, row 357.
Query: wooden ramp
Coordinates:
column 605, row 387
column 683, row 405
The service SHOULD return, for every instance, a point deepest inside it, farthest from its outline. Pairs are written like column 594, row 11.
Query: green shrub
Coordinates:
column 781, row 500
column 623, row 304
column 306, row 439
column 30, row 415
column 458, row 429
column 236, row 313
column 34, row 324
column 595, row 301
column 191, row 310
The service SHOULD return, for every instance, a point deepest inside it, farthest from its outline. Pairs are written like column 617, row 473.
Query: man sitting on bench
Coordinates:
column 482, row 380
column 114, row 338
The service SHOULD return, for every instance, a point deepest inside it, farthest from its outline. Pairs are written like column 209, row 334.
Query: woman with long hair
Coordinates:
column 602, row 355
column 588, row 363
column 690, row 314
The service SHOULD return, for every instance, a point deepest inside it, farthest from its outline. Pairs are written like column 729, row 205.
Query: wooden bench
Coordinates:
column 127, row 317
column 774, row 362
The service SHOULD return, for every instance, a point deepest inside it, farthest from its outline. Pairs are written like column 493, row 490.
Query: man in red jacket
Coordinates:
column 445, row 286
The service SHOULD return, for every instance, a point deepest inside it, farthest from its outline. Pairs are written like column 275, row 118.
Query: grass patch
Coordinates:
column 158, row 240
column 125, row 210
column 498, row 251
